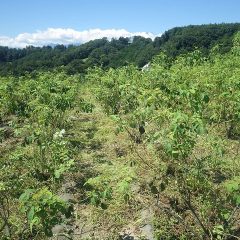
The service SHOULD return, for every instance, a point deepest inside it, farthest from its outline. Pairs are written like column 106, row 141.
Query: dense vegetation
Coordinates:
column 119, row 153
column 117, row 53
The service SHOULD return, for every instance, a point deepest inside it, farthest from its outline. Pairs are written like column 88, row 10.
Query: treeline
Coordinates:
column 116, row 53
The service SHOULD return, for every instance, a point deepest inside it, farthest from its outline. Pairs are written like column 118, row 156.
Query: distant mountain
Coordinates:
column 181, row 40
column 116, row 53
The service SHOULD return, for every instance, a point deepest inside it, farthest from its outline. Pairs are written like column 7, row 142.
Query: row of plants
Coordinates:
column 35, row 151
column 187, row 110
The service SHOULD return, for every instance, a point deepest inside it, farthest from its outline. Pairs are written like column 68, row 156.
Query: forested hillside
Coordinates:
column 118, row 153
column 117, row 53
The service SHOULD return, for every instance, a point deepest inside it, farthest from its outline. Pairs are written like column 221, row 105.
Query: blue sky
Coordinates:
column 155, row 16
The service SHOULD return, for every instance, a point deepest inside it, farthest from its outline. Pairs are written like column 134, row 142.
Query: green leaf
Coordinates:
column 26, row 195
column 238, row 199
column 232, row 186
column 31, row 213
column 2, row 186
column 35, row 221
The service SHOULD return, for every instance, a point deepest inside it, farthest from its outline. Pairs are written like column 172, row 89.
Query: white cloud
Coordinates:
column 66, row 36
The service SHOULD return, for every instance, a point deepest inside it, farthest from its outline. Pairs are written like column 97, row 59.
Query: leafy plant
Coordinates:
column 43, row 209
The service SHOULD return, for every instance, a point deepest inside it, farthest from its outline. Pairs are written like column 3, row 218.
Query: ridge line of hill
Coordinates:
column 117, row 52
